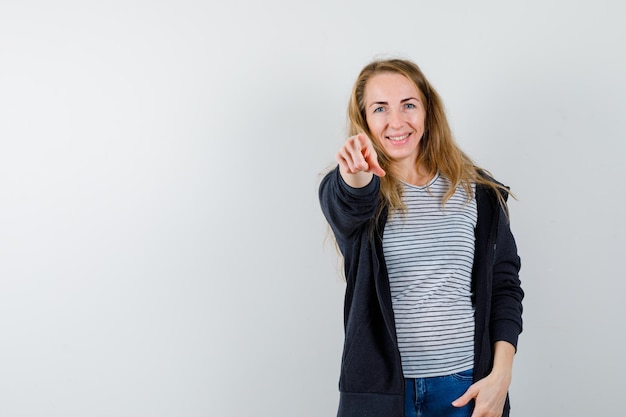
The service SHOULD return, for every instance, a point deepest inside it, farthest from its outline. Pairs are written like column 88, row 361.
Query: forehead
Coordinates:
column 388, row 86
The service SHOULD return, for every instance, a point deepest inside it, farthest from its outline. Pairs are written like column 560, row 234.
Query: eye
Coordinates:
column 379, row 109
column 410, row 106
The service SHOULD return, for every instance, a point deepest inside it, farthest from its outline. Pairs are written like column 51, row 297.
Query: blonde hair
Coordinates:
column 438, row 151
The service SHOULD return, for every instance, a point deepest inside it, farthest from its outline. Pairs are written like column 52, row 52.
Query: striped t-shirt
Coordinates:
column 429, row 252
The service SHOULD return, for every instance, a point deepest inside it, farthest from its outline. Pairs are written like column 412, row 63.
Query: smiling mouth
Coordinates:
column 398, row 138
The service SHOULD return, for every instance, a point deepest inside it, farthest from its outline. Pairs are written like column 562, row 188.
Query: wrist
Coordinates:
column 502, row 368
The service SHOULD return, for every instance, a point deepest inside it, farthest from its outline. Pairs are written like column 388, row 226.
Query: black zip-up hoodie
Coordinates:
column 371, row 382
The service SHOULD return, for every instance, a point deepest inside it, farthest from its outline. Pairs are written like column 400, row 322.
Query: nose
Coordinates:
column 396, row 119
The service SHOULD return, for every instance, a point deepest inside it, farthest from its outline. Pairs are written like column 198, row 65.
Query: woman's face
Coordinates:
column 394, row 111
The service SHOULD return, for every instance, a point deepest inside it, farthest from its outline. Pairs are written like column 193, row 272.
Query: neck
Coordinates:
column 413, row 175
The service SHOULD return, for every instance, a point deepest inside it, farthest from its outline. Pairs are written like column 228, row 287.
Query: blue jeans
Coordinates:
column 432, row 397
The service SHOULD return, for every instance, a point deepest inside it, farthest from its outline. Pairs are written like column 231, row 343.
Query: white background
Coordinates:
column 162, row 251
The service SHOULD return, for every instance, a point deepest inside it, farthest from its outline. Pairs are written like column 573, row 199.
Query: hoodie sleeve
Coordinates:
column 346, row 208
column 507, row 293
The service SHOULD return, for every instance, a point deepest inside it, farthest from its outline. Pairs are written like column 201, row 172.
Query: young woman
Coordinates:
column 433, row 304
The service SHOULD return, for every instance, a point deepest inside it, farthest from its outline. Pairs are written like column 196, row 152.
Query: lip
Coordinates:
column 400, row 139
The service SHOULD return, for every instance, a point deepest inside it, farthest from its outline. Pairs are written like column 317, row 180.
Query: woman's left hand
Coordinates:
column 490, row 392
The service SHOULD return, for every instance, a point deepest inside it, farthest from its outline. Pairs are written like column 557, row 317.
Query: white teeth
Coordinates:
column 396, row 138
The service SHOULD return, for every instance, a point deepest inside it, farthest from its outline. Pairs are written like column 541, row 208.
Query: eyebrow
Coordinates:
column 401, row 101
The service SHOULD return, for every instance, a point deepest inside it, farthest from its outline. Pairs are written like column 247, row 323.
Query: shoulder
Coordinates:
column 488, row 186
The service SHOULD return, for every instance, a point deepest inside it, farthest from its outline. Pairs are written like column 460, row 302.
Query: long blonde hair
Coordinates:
column 438, row 151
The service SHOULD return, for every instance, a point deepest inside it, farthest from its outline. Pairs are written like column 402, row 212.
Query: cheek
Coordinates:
column 373, row 125
column 374, row 131
column 418, row 122
column 422, row 119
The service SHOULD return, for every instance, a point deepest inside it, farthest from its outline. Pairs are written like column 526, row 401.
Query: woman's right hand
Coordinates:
column 358, row 161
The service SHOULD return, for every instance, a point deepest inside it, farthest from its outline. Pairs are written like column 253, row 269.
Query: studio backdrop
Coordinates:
column 162, row 250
